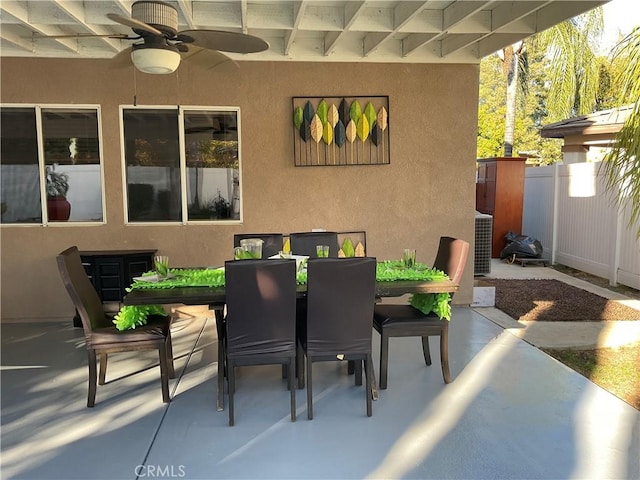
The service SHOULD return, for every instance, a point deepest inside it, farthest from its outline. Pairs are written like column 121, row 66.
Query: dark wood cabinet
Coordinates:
column 111, row 271
column 499, row 193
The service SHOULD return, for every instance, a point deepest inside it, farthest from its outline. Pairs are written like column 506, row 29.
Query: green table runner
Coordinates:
column 184, row 277
column 393, row 270
column 387, row 271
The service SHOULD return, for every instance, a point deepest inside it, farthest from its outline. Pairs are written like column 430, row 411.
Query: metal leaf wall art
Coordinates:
column 331, row 131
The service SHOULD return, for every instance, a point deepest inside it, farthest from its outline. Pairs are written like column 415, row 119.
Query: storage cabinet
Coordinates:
column 111, row 271
column 499, row 193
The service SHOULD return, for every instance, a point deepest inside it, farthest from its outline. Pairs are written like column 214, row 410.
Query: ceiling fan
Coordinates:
column 156, row 24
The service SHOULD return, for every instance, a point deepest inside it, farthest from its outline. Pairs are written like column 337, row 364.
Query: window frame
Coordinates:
column 42, row 167
column 181, row 110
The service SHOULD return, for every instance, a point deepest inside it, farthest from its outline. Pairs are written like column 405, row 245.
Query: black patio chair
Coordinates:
column 407, row 321
column 304, row 243
column 261, row 319
column 101, row 335
column 340, row 299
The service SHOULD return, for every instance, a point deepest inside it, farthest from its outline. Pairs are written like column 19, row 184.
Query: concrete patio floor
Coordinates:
column 511, row 412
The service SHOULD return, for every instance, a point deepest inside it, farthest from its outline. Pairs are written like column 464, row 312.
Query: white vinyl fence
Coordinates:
column 567, row 208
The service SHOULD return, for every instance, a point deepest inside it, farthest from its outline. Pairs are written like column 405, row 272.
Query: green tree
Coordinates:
column 530, row 111
column 532, row 108
column 513, row 66
column 574, row 71
column 556, row 75
column 491, row 108
column 622, row 163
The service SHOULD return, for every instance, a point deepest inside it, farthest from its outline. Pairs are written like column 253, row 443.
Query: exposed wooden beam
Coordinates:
column 548, row 15
column 511, row 12
column 186, row 8
column 415, row 41
column 16, row 40
column 19, row 10
column 124, row 6
column 290, row 36
column 244, row 12
column 402, row 14
column 351, row 12
column 543, row 16
column 76, row 12
column 505, row 14
column 452, row 43
column 458, row 11
column 309, row 30
column 453, row 15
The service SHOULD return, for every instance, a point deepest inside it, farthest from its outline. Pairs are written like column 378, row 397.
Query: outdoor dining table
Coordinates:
column 214, row 297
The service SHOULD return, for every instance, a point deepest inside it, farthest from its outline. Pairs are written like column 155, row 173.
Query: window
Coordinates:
column 51, row 168
column 182, row 165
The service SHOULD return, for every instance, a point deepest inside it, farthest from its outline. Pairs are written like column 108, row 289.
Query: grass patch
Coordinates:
column 614, row 369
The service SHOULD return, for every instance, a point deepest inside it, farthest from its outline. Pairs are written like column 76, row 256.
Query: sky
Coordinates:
column 620, row 16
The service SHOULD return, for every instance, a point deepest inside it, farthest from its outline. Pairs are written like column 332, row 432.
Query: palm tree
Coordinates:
column 574, row 73
column 622, row 163
column 512, row 66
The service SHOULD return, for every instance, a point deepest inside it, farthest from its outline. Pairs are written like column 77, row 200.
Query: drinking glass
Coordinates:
column 409, row 257
column 322, row 251
column 162, row 265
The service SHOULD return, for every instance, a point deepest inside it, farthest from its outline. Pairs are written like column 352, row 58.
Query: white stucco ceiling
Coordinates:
column 461, row 31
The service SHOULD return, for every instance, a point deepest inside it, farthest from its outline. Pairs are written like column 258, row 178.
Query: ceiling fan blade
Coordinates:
column 226, row 41
column 118, row 36
column 205, row 58
column 135, row 24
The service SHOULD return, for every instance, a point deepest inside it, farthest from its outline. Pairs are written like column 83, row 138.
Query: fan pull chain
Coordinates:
column 178, row 89
column 135, row 88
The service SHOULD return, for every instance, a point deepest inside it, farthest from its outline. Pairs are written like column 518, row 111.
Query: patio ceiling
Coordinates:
column 431, row 31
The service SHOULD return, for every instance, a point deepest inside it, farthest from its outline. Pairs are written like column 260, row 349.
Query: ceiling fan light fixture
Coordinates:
column 156, row 60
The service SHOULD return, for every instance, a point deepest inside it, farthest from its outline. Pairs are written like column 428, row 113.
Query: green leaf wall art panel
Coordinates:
column 339, row 134
column 362, row 128
column 327, row 133
column 351, row 131
column 343, row 111
column 355, row 112
column 305, row 131
column 298, row 117
column 370, row 114
column 322, row 111
column 382, row 118
column 340, row 130
column 316, row 128
column 309, row 111
column 375, row 136
column 332, row 115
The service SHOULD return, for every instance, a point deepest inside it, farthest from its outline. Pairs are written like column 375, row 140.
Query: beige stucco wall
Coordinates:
column 427, row 190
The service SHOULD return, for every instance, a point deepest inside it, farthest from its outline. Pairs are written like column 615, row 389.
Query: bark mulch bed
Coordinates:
column 555, row 301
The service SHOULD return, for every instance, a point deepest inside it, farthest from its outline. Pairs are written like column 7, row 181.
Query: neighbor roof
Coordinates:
column 604, row 121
